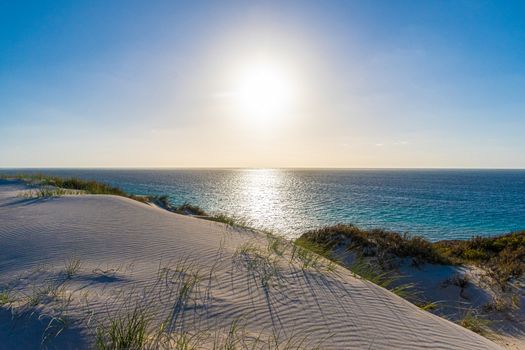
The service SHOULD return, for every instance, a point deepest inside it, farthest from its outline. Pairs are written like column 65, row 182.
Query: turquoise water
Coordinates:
column 438, row 204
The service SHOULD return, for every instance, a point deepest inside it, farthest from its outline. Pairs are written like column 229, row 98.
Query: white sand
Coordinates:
column 122, row 243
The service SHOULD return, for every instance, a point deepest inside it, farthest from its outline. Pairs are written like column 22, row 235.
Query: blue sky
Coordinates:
column 376, row 83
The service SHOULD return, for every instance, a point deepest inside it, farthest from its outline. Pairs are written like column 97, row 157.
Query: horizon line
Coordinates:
column 249, row 168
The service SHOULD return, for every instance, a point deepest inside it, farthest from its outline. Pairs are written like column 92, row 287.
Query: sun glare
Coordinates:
column 264, row 92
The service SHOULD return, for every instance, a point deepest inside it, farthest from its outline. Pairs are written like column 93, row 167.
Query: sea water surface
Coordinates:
column 437, row 204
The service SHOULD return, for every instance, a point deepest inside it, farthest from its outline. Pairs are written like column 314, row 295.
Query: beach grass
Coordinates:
column 126, row 330
column 186, row 208
column 260, row 263
column 194, row 210
column 71, row 266
column 5, row 297
column 189, row 209
column 49, row 191
column 231, row 220
column 475, row 322
column 54, row 186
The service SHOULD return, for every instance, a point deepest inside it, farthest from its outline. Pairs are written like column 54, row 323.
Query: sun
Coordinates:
column 264, row 91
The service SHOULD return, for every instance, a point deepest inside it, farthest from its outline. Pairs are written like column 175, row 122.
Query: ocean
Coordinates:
column 436, row 204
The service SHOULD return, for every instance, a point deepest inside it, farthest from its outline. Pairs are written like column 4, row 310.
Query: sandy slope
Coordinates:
column 131, row 253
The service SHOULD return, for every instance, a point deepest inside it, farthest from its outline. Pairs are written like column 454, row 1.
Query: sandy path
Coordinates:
column 123, row 244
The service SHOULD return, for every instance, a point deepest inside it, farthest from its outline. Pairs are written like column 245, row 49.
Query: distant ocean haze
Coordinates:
column 437, row 204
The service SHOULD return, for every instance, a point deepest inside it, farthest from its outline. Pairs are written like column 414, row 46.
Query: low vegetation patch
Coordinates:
column 475, row 322
column 378, row 243
column 194, row 210
column 233, row 221
column 126, row 330
column 71, row 266
column 262, row 264
column 376, row 254
column 185, row 209
column 503, row 256
column 189, row 209
column 53, row 186
column 5, row 297
column 503, row 303
column 50, row 191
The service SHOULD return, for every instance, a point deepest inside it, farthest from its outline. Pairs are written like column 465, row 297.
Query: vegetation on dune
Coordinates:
column 376, row 242
column 92, row 187
column 189, row 209
column 71, row 266
column 233, row 221
column 475, row 322
column 50, row 191
column 503, row 256
column 126, row 330
column 53, row 186
column 376, row 254
column 322, row 242
column 137, row 326
column 4, row 297
column 259, row 262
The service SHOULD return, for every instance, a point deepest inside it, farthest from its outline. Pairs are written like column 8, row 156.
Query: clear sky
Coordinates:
column 262, row 83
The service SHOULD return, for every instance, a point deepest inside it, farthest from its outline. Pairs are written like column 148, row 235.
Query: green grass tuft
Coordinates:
column 126, row 330
column 71, row 266
column 475, row 322
column 5, row 297
column 262, row 264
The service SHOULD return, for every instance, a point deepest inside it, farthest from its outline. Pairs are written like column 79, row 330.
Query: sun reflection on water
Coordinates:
column 260, row 194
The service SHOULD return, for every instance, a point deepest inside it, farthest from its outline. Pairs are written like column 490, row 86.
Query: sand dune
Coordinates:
column 135, row 254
